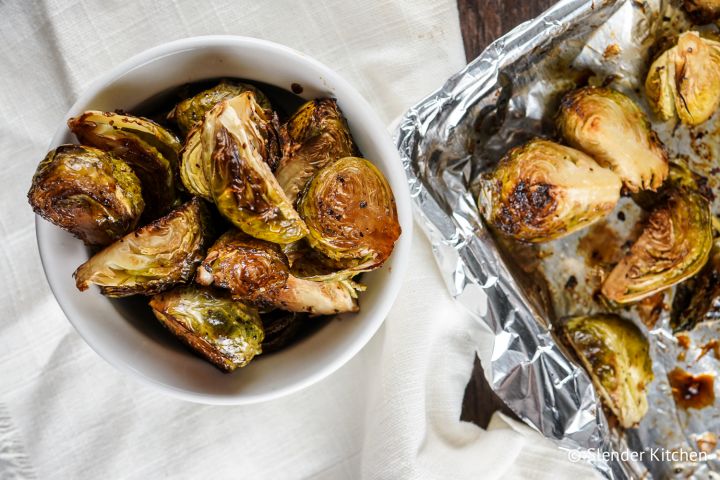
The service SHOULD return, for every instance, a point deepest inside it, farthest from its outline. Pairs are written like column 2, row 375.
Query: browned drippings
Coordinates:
column 707, row 442
column 713, row 346
column 612, row 50
column 600, row 246
column 650, row 308
column 692, row 391
column 683, row 340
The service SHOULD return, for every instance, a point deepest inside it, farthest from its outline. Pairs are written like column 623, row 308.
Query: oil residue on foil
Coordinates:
column 692, row 391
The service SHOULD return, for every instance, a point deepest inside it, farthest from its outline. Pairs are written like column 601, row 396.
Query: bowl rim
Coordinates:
column 401, row 253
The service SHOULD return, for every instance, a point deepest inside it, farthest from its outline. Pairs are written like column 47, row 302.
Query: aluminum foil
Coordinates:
column 506, row 96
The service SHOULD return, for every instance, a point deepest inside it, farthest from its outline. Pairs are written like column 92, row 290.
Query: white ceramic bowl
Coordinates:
column 125, row 333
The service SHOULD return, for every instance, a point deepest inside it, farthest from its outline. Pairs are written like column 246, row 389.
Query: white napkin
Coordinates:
column 390, row 413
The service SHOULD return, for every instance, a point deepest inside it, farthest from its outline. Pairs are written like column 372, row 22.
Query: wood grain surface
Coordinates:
column 481, row 22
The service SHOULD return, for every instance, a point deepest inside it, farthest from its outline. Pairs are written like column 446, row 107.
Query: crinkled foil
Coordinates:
column 506, row 96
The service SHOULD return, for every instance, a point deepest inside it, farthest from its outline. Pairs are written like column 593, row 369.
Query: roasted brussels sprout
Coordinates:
column 150, row 150
column 702, row 11
column 90, row 193
column 616, row 355
column 191, row 111
column 611, row 128
column 542, row 191
column 674, row 245
column 350, row 212
column 698, row 299
column 314, row 137
column 686, row 80
column 237, row 137
column 153, row 258
column 227, row 333
column 257, row 271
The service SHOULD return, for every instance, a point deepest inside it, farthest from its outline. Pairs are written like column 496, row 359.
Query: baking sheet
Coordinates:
column 505, row 97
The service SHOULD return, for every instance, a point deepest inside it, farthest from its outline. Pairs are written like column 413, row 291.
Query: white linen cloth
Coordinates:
column 390, row 413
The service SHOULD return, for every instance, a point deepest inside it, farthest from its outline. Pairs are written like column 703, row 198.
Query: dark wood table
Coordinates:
column 481, row 22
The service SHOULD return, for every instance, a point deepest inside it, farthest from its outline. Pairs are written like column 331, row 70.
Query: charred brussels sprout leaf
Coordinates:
column 227, row 333
column 542, row 191
column 191, row 111
column 686, row 80
column 237, row 138
column 674, row 245
column 702, row 11
column 148, row 148
column 87, row 192
column 314, row 137
column 154, row 257
column 257, row 271
column 698, row 299
column 350, row 212
column 616, row 355
column 612, row 129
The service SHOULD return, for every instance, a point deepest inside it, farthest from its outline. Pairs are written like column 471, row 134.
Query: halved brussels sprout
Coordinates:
column 350, row 212
column 542, row 191
column 686, row 80
column 702, row 11
column 616, row 355
column 149, row 149
column 153, row 258
column 191, row 111
column 257, row 271
column 251, row 269
column 611, row 128
column 87, row 192
column 237, row 137
column 674, row 245
column 314, row 137
column 698, row 299
column 227, row 333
